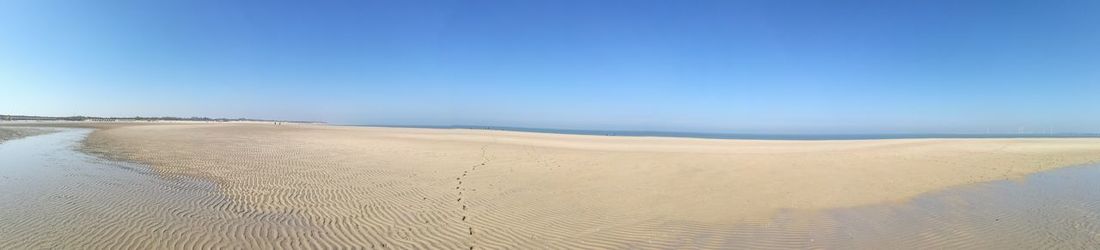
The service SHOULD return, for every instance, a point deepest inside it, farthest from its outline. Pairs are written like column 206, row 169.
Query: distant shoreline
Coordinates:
column 30, row 118
column 755, row 136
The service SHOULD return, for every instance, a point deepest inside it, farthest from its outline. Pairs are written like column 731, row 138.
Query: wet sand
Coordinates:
column 1057, row 209
column 12, row 133
column 57, row 198
column 440, row 188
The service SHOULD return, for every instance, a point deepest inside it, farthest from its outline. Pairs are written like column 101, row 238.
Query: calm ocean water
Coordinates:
column 749, row 136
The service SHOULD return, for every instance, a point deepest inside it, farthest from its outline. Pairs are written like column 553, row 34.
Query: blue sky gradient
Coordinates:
column 700, row 66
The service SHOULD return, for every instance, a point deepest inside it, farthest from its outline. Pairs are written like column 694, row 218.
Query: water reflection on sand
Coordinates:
column 1057, row 209
column 56, row 197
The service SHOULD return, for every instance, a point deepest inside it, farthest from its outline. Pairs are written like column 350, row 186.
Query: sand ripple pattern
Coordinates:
column 332, row 187
column 315, row 195
column 57, row 198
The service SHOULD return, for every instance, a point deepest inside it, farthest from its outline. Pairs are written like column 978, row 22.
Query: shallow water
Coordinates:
column 53, row 196
column 1057, row 209
column 56, row 197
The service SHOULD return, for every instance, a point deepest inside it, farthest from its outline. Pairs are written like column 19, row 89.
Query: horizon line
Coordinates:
column 752, row 136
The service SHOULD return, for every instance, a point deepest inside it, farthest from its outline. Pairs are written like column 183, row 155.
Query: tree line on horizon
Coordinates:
column 135, row 118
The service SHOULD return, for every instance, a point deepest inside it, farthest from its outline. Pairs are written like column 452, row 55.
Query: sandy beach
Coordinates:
column 457, row 188
column 436, row 124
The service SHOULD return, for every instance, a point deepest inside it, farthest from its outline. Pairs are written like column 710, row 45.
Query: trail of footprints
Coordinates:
column 465, row 204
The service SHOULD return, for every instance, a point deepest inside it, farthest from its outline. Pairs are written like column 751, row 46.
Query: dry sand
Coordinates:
column 453, row 188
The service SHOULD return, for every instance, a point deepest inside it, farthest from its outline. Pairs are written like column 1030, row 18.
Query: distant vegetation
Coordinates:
column 131, row 119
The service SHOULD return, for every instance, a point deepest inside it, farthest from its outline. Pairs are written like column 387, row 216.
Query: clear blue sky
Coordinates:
column 709, row 66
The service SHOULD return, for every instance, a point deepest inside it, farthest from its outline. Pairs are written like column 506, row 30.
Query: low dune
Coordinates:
column 457, row 188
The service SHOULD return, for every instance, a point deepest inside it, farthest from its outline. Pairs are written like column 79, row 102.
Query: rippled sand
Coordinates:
column 54, row 197
column 432, row 188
